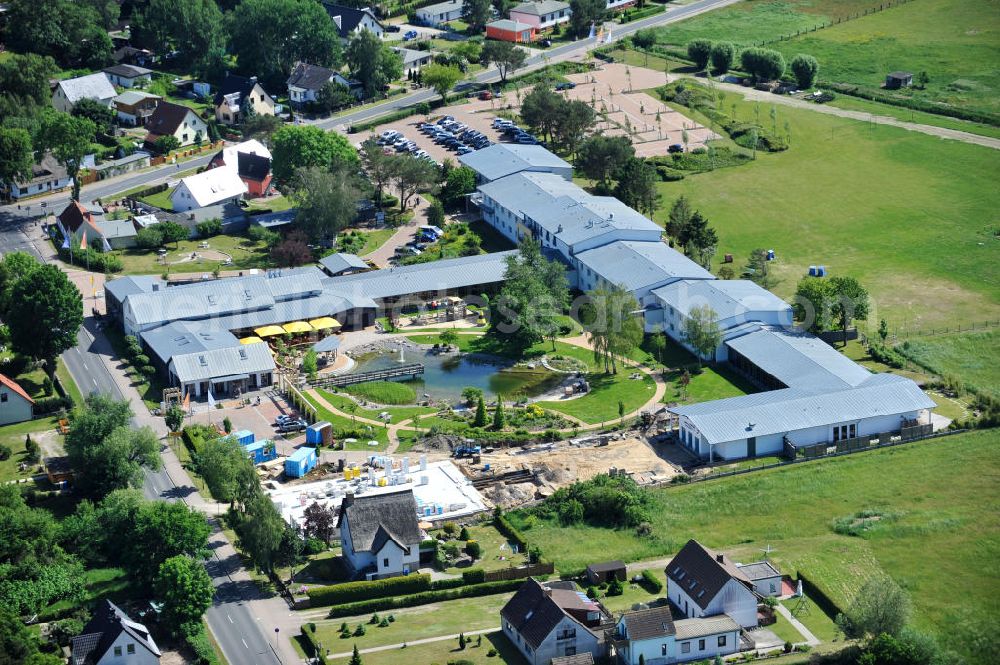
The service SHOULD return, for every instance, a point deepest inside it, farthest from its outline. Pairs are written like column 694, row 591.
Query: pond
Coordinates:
column 445, row 375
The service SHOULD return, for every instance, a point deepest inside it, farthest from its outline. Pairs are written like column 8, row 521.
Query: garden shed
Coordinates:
column 599, row 573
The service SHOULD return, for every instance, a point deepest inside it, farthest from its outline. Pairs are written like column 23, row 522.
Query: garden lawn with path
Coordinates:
column 444, row 651
column 13, row 436
column 914, row 486
column 716, row 382
column 942, row 251
column 494, row 546
column 367, row 431
column 348, row 405
column 245, row 253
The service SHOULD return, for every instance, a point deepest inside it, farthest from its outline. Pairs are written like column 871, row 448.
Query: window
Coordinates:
column 570, row 651
column 663, row 649
column 852, row 430
column 385, row 563
column 773, row 590
column 3, row 397
column 130, row 649
column 722, row 640
column 701, row 645
column 118, row 652
column 685, row 647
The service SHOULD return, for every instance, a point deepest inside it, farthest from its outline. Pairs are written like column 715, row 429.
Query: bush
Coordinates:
column 52, row 404
column 699, row 50
column 805, row 68
column 474, row 576
column 353, row 591
column 97, row 261
column 512, row 534
column 474, row 549
column 763, row 64
column 723, row 55
column 422, row 598
column 201, row 646
column 209, row 227
column 5, row 453
column 886, row 355
column 650, row 582
column 615, row 588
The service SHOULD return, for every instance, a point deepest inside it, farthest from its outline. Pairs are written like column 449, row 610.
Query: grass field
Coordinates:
column 348, row 405
column 447, row 651
column 711, row 383
column 973, row 358
column 12, row 436
column 945, row 537
column 245, row 252
column 372, row 432
column 496, row 553
column 907, row 214
column 383, row 392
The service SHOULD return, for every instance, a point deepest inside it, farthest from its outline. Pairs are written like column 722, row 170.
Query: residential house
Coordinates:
column 181, row 122
column 897, row 80
column 305, row 82
column 47, row 175
column 543, row 15
column 135, row 107
column 252, row 162
column 652, row 637
column 441, row 12
column 379, row 534
column 765, row 577
column 507, row 30
column 599, row 573
column 129, row 76
column 350, row 21
column 80, row 223
column 546, row 620
column 705, row 583
column 413, row 60
column 93, row 86
column 111, row 638
column 130, row 55
column 15, row 403
column 618, row 5
column 236, row 95
column 207, row 188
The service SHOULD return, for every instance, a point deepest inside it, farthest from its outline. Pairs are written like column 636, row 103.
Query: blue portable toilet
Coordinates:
column 244, row 436
column 314, row 433
column 770, row 255
column 301, row 462
column 821, row 271
column 812, row 271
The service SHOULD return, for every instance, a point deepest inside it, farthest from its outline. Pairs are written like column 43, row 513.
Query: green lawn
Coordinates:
column 809, row 613
column 13, row 437
column 383, row 392
column 827, row 201
column 710, row 383
column 495, row 546
column 68, row 384
column 946, row 535
column 908, row 115
column 398, row 413
column 785, row 630
column 245, row 254
column 444, row 651
column 372, row 432
column 973, row 358
column 160, row 200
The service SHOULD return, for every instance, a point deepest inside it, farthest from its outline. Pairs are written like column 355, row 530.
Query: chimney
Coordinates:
column 719, row 558
column 348, row 500
column 547, row 590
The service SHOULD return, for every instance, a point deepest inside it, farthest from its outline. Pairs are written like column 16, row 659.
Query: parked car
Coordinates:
column 485, row 95
column 292, row 426
column 409, row 34
column 392, row 28
column 465, row 150
column 565, row 85
column 527, row 140
column 676, row 147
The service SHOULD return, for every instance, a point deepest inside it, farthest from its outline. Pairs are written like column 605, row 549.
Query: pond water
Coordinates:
column 445, row 375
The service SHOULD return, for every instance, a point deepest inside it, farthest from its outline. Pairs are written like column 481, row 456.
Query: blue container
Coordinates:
column 301, row 462
column 821, row 271
column 314, row 433
column 261, row 451
column 770, row 255
column 812, row 271
column 244, row 436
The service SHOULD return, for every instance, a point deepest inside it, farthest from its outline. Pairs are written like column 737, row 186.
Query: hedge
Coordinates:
column 818, row 596
column 355, row 591
column 651, row 582
column 309, row 635
column 204, row 654
column 52, row 404
column 474, row 576
column 512, row 534
column 423, row 598
column 449, row 583
column 913, row 103
column 92, row 260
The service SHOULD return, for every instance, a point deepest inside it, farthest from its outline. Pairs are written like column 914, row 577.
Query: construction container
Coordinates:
column 243, row 437
column 261, row 451
column 315, row 433
column 301, row 462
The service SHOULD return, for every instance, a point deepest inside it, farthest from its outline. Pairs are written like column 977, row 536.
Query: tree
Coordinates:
column 880, row 607
column 115, row 461
column 68, row 139
column 505, row 56
column 679, row 218
column 480, row 419
column 24, row 78
column 611, row 325
column 759, row 267
column 805, row 68
column 211, row 227
column 219, row 462
column 149, row 237
column 293, row 251
column 644, row 40
column 102, row 116
column 259, row 127
column 185, row 590
column 534, row 295
column 48, row 315
column 174, row 418
column 477, row 14
column 907, row 648
column 572, row 125
column 297, row 146
column 269, row 36
column 164, row 145
column 585, row 13
column 699, row 50
column 410, row 175
column 378, row 165
column 71, row 32
column 372, row 62
column 458, row 184
column 636, row 186
column 723, row 55
column 701, row 330
column 541, row 108
column 334, row 95
column 499, row 416
column 883, row 330
column 812, row 304
column 699, row 239
column 14, row 266
column 922, row 80
column 441, row 77
column 194, row 28
column 355, row 657
column 158, row 531
column 16, row 157
column 763, row 64
column 173, row 232
column 850, row 302
column 261, row 531
column 449, row 336
column 599, row 157
column 310, row 364
column 319, row 522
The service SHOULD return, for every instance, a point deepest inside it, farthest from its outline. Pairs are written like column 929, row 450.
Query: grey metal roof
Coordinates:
column 122, row 287
column 201, row 300
column 540, row 8
column 424, row 277
column 799, row 360
column 324, row 304
column 503, row 159
column 634, row 264
column 443, row 7
column 727, row 298
column 335, row 264
column 183, row 337
column 528, row 192
column 92, row 86
column 583, row 216
column 133, row 97
column 222, row 363
column 294, row 283
column 759, row 570
column 116, row 228
column 507, row 24
column 410, row 55
column 687, row 629
column 789, row 410
column 328, row 343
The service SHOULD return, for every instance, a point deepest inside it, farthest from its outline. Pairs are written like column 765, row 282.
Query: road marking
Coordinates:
column 85, row 367
column 230, row 618
column 244, row 643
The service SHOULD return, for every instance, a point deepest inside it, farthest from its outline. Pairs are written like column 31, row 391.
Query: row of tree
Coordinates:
column 762, row 63
column 562, row 122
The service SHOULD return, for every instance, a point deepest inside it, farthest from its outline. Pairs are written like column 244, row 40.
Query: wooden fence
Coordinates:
column 521, row 572
column 408, row 370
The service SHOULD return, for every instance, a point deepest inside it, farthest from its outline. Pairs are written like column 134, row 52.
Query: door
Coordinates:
column 752, row 446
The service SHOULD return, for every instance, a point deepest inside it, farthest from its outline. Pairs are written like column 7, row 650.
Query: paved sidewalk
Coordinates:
column 811, row 639
column 426, row 640
column 403, row 235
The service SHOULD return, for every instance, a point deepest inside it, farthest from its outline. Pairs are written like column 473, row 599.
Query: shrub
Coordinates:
column 422, row 598
column 449, row 529
column 723, row 55
column 805, row 68
column 474, row 549
column 52, row 404
column 615, row 588
column 5, row 453
column 651, row 582
column 699, row 50
column 491, row 653
column 209, row 227
column 763, row 64
column 355, row 591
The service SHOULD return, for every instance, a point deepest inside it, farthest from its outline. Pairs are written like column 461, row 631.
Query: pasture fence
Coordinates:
column 837, row 21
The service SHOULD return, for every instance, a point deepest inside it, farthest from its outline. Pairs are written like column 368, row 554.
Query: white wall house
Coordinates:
column 379, row 534
column 111, row 638
column 207, row 188
column 652, row 637
column 442, row 12
column 178, row 121
column 47, row 175
column 704, row 583
column 15, row 404
column 543, row 15
column 92, row 86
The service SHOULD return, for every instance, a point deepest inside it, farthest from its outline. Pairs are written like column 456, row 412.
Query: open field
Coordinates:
column 943, row 535
column 905, row 213
column 245, row 254
column 973, row 358
column 348, row 405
